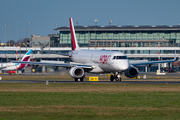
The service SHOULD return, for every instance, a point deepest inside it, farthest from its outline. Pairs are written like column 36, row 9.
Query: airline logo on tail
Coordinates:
column 25, row 58
column 74, row 43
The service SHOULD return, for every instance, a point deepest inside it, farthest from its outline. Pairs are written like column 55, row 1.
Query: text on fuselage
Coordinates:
column 103, row 59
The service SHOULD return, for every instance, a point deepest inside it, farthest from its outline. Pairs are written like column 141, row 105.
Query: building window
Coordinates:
column 121, row 36
column 98, row 36
column 104, row 36
column 138, row 36
column 110, row 36
column 127, row 36
column 150, row 36
column 173, row 35
column 144, row 36
column 156, row 36
column 167, row 36
column 93, row 36
column 116, row 36
column 161, row 36
column 133, row 36
column 81, row 36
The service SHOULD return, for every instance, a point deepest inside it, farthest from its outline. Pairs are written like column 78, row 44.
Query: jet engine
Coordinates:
column 76, row 72
column 131, row 72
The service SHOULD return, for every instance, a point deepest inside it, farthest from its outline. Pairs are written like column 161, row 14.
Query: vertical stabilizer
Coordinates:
column 25, row 58
column 74, row 43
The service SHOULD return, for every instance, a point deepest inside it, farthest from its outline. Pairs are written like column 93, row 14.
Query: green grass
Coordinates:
column 89, row 101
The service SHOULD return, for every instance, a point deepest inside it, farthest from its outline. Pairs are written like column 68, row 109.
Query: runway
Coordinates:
column 96, row 82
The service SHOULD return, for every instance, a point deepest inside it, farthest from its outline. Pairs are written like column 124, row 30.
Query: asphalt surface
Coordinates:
column 97, row 82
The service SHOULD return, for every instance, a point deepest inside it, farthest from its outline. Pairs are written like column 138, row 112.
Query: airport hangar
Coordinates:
column 137, row 42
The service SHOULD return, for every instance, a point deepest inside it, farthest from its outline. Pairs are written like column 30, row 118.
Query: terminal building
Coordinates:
column 121, row 36
column 137, row 42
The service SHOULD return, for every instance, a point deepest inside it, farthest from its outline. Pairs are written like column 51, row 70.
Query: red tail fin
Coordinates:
column 74, row 43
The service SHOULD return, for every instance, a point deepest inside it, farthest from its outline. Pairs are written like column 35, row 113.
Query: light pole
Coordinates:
column 20, row 32
column 76, row 22
column 26, row 31
column 26, row 37
column 9, row 35
column 29, row 32
column 96, row 20
column 20, row 40
column 110, row 21
column 29, row 29
column 5, row 35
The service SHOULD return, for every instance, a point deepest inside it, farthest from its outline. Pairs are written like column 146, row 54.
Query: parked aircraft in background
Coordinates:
column 97, row 61
column 12, row 67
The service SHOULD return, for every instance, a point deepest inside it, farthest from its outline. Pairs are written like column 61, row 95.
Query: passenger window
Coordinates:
column 114, row 57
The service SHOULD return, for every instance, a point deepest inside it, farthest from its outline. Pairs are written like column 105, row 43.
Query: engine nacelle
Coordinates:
column 76, row 72
column 131, row 72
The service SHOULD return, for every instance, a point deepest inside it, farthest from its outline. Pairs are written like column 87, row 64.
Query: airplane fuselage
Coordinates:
column 9, row 66
column 104, row 61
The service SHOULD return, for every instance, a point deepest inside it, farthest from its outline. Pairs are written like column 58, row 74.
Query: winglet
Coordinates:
column 74, row 43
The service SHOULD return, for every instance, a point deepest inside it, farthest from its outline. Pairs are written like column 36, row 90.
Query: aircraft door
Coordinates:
column 109, row 61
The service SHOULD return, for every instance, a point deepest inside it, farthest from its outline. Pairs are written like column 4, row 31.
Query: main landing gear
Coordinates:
column 116, row 76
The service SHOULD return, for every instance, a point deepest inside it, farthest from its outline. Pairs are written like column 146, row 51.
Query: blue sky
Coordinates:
column 44, row 15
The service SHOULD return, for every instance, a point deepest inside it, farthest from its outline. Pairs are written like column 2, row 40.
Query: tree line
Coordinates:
column 20, row 43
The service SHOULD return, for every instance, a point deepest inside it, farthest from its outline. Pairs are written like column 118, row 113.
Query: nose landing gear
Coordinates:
column 116, row 76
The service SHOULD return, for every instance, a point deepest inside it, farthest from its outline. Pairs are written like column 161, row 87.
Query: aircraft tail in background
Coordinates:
column 25, row 58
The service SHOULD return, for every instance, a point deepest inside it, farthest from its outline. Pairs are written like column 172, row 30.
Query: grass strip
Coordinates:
column 89, row 101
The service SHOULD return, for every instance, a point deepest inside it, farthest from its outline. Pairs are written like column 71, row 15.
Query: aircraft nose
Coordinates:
column 124, row 66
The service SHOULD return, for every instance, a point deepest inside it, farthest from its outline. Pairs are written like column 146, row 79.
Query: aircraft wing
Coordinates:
column 67, row 65
column 137, row 61
column 151, row 62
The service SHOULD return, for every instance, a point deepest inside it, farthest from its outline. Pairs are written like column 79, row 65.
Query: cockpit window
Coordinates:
column 119, row 57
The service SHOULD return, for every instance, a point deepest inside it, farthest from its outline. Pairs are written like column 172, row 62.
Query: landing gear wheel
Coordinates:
column 81, row 79
column 76, row 79
column 117, row 79
column 112, row 78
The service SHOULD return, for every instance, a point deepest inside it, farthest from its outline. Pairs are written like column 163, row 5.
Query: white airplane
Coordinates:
column 97, row 61
column 15, row 66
